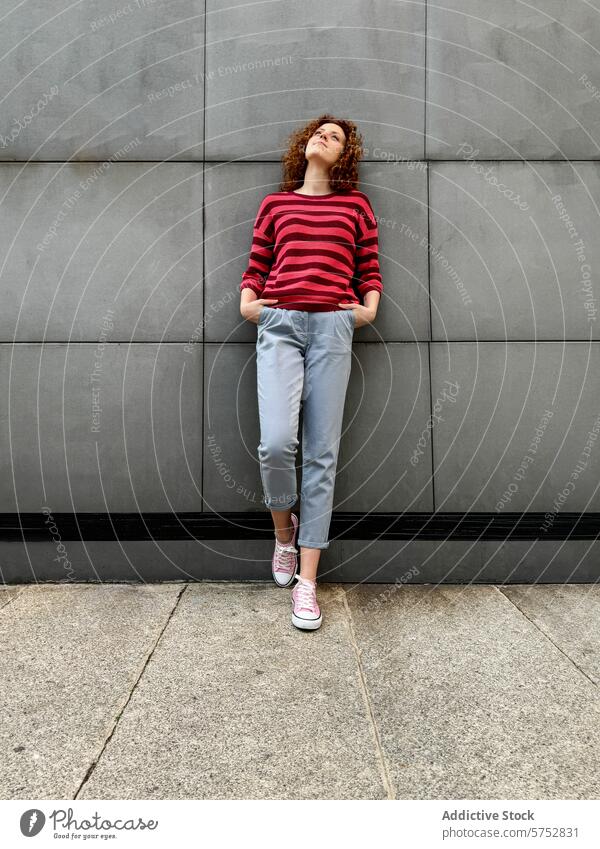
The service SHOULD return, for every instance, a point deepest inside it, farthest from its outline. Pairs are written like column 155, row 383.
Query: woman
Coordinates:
column 314, row 256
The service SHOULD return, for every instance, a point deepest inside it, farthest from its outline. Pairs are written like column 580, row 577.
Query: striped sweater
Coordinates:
column 312, row 251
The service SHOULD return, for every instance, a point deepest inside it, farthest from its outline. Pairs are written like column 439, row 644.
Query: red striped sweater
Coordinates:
column 312, row 251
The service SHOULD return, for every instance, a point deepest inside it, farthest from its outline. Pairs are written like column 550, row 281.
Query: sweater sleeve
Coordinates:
column 366, row 263
column 261, row 251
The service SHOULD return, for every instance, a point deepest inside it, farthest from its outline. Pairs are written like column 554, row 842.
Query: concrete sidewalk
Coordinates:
column 206, row 690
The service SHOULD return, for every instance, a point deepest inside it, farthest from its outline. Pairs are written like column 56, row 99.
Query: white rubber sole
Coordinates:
column 306, row 624
column 288, row 582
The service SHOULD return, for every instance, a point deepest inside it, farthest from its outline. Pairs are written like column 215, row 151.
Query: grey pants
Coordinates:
column 306, row 357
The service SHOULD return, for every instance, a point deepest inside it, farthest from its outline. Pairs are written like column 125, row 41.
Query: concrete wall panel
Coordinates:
column 80, row 242
column 268, row 64
column 512, row 80
column 385, row 451
column 514, row 250
column 94, row 428
column 522, row 431
column 102, row 79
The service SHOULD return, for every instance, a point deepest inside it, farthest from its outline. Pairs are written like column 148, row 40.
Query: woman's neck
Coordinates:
column 316, row 181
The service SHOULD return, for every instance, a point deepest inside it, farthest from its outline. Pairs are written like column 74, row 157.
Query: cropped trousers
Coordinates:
column 302, row 357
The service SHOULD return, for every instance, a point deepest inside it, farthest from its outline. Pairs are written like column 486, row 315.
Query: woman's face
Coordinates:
column 326, row 143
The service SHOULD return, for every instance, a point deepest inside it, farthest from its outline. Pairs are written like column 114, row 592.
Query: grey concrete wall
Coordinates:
column 137, row 138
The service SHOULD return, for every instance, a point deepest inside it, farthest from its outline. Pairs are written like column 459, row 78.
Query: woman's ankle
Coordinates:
column 309, row 580
column 284, row 541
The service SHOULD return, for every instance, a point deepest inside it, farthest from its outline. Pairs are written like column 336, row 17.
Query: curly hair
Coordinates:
column 343, row 174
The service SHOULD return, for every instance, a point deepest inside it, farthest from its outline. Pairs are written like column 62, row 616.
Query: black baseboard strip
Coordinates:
column 40, row 527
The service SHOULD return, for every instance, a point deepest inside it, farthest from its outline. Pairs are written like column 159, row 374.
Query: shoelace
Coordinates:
column 306, row 595
column 284, row 562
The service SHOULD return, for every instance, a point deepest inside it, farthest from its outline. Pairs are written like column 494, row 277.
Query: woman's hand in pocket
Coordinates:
column 362, row 314
column 252, row 310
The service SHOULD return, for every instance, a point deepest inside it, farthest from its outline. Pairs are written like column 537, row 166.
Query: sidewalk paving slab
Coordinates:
column 71, row 655
column 569, row 615
column 471, row 699
column 10, row 592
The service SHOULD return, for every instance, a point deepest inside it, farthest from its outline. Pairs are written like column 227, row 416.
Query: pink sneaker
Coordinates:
column 285, row 558
column 306, row 613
